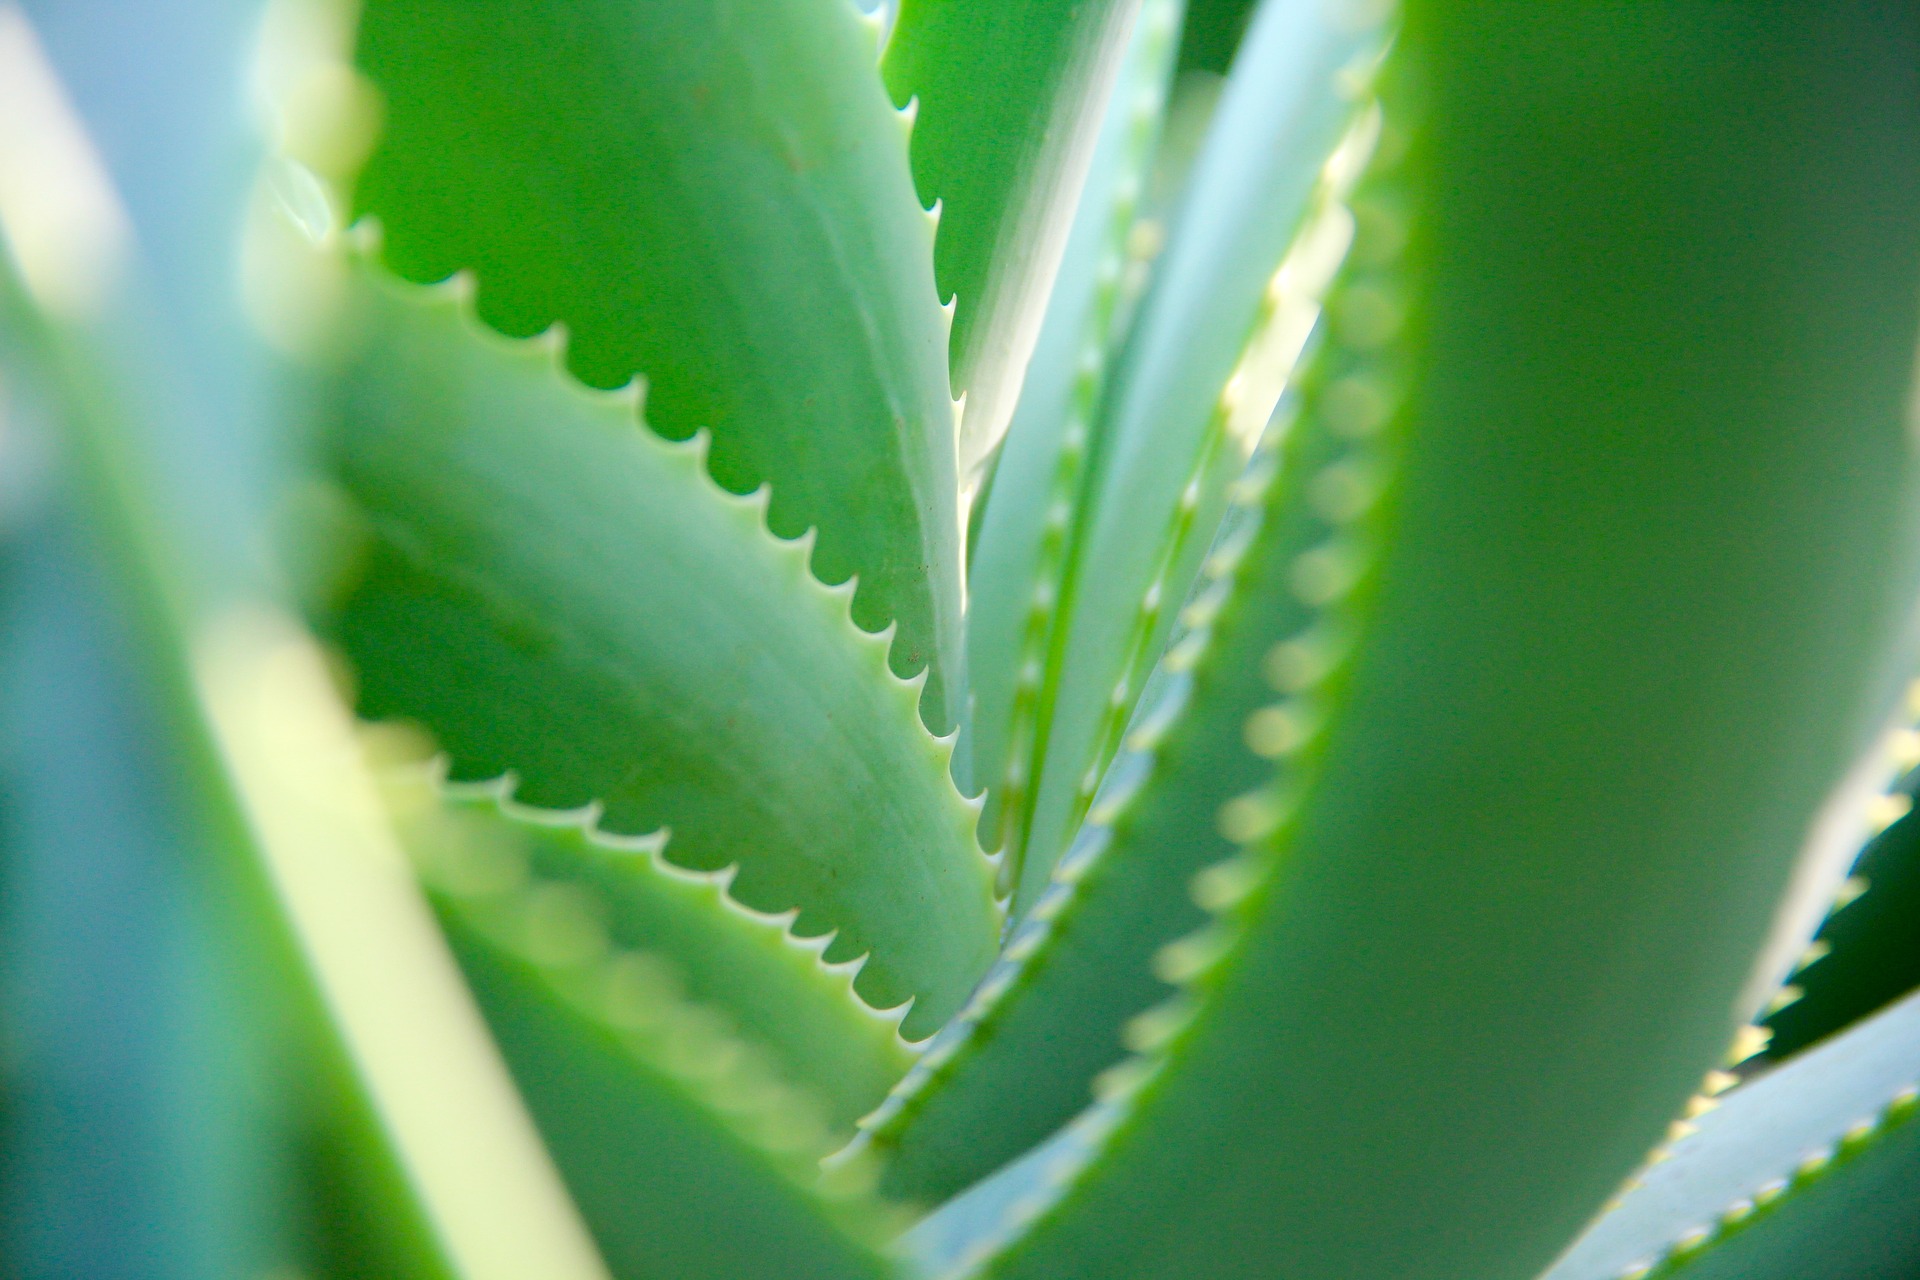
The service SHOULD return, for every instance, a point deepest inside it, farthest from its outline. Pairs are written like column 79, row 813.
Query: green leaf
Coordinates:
column 686, row 1154
column 716, row 199
column 552, row 589
column 1020, row 1059
column 1014, row 569
column 1009, row 99
column 1216, row 334
column 1863, row 957
column 122, row 1007
column 170, row 439
column 1213, row 32
column 1808, row 1170
column 1580, row 677
column 776, row 989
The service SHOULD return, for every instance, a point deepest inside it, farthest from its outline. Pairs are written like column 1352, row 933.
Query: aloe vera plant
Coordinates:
column 1125, row 639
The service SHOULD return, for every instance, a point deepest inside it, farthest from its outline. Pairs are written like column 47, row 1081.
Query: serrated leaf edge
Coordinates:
column 1308, row 670
column 458, row 294
column 649, row 852
column 1771, row 1195
column 1162, row 705
column 1067, row 489
column 1289, row 307
column 690, row 1045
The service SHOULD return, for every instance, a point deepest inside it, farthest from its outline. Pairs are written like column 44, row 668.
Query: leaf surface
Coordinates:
column 553, row 590
column 714, row 197
column 1013, row 572
column 684, row 1152
column 1599, row 651
column 1009, row 102
column 1232, row 298
column 775, row 988
column 1809, row 1169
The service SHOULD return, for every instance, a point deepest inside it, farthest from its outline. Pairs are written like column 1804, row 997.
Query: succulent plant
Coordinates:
column 1069, row 640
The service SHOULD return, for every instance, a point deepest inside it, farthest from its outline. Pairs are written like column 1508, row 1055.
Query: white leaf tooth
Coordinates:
column 845, row 591
column 633, row 396
column 624, row 401
column 802, row 546
column 854, row 1151
column 997, row 983
column 699, row 446
column 781, row 920
column 872, row 25
column 581, row 817
column 495, row 790
column 1850, row 891
column 933, row 217
column 817, row 944
column 552, row 343
column 916, row 684
column 850, row 969
column 1154, row 1029
column 908, row 115
column 722, row 878
column 1817, row 950
column 366, row 237
column 652, row 844
column 1024, row 945
column 897, row 1015
column 755, row 501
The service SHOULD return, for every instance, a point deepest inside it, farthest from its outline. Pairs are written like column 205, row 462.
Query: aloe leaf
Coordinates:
column 1008, row 99
column 777, row 990
column 126, row 1118
column 1212, row 34
column 1852, row 1220
column 686, row 1154
column 171, row 439
column 1013, row 570
column 1203, row 365
column 1864, row 956
column 1807, row 1170
column 552, row 589
column 1580, row 678
column 773, row 284
column 1020, row 1059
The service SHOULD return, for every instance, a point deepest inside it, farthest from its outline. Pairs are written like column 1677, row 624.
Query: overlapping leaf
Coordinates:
column 1598, row 652
column 772, row 281
column 774, row 988
column 1228, row 308
column 685, row 1153
column 1008, row 102
column 555, row 591
column 1808, row 1170
column 1020, row 543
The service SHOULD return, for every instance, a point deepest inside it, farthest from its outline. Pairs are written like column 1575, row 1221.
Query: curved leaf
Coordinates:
column 171, row 441
column 685, row 1154
column 1864, row 956
column 1215, row 336
column 552, row 589
column 773, row 283
column 1019, row 1060
column 1601, row 654
column 1013, row 571
column 1009, row 102
column 778, row 992
column 1809, row 1170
